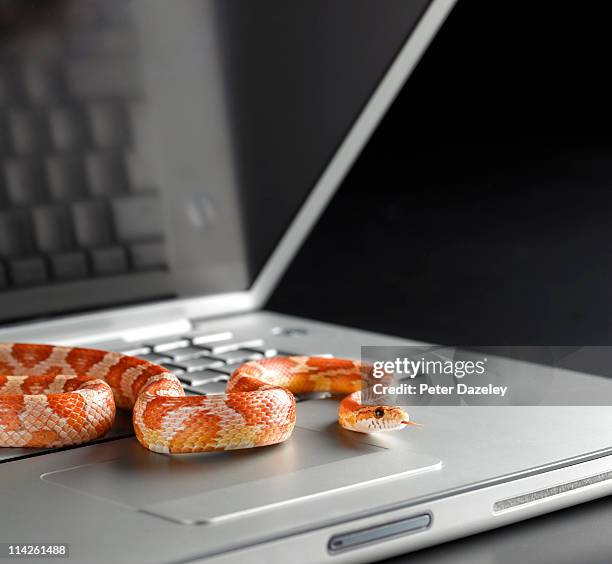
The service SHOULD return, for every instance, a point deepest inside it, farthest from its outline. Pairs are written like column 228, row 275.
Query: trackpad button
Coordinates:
column 201, row 488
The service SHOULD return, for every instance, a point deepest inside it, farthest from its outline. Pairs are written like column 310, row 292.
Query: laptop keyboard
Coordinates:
column 76, row 199
column 203, row 362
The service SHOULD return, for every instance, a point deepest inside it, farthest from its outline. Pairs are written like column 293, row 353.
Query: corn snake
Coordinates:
column 52, row 396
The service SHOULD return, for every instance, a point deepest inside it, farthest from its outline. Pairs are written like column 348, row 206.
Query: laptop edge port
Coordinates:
column 355, row 539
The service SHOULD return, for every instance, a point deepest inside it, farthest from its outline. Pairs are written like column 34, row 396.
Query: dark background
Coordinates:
column 479, row 212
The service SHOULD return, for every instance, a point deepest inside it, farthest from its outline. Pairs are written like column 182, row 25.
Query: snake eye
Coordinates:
column 379, row 412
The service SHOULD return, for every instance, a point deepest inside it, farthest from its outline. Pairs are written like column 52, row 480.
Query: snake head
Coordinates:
column 375, row 418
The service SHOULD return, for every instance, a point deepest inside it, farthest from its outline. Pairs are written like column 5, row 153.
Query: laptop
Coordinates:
column 161, row 165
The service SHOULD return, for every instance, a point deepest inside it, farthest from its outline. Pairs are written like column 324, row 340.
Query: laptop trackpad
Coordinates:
column 201, row 488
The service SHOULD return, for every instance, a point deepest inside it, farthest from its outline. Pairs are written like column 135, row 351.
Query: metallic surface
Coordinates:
column 487, row 454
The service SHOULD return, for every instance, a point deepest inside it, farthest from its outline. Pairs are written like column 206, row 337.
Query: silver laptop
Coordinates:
column 162, row 163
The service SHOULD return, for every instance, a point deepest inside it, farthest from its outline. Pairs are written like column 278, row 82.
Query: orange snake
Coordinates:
column 53, row 396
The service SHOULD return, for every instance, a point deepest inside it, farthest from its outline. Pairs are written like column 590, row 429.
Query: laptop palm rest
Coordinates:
column 201, row 488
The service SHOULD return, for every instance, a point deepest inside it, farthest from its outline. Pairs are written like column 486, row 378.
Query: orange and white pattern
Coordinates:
column 53, row 396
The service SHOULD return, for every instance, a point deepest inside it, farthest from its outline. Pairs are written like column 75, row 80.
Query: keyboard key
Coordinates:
column 28, row 271
column 133, row 350
column 52, row 228
column 110, row 260
column 43, row 83
column 28, row 131
column 101, row 77
column 108, row 124
column 92, row 224
column 119, row 345
column 106, row 175
column 15, row 234
column 69, row 266
column 67, row 129
column 205, row 338
column 268, row 352
column 228, row 369
column 202, row 377
column 66, row 177
column 25, row 182
column 239, row 355
column 176, row 370
column 221, row 348
column 138, row 217
column 210, row 388
column 164, row 344
column 196, row 364
column 185, row 353
column 140, row 175
column 154, row 358
column 148, row 255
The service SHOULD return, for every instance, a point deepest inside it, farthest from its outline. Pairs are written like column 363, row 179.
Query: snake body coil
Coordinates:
column 52, row 396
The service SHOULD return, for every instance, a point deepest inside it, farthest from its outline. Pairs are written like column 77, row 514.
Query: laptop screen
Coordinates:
column 152, row 150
